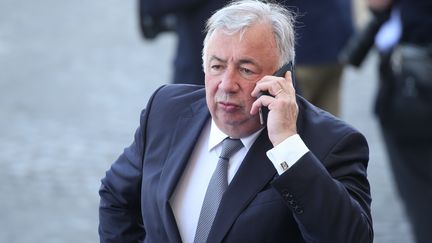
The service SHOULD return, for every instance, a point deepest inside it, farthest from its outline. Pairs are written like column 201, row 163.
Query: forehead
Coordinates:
column 255, row 42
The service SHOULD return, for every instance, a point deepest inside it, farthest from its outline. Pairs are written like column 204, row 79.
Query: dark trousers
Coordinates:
column 411, row 165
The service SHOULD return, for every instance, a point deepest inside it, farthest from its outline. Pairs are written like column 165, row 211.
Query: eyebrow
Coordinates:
column 217, row 59
column 240, row 62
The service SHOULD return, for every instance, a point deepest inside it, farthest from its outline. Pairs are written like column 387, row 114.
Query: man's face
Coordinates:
column 234, row 64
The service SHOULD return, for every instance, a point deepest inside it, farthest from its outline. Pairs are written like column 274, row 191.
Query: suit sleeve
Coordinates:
column 330, row 199
column 120, row 217
column 120, row 191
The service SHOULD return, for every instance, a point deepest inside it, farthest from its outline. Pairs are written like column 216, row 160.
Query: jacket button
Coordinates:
column 286, row 194
column 298, row 210
column 292, row 202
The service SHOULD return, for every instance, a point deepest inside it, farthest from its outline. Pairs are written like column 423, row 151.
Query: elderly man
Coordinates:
column 204, row 168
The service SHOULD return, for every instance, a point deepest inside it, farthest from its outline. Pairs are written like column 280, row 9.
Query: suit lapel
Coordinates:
column 186, row 134
column 253, row 175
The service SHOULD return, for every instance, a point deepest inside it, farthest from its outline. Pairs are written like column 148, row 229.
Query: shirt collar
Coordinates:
column 217, row 136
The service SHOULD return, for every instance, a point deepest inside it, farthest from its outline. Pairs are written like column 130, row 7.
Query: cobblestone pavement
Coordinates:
column 74, row 76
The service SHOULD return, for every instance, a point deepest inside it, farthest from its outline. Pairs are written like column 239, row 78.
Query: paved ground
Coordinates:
column 74, row 76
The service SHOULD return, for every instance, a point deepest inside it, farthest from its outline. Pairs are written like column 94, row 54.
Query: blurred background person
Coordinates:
column 404, row 109
column 323, row 28
column 401, row 31
column 187, row 18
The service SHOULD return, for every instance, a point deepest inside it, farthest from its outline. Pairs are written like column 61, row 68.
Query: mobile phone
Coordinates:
column 263, row 111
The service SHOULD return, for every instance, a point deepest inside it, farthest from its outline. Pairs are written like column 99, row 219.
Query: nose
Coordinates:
column 229, row 82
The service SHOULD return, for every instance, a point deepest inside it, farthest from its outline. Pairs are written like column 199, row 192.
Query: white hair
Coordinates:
column 239, row 15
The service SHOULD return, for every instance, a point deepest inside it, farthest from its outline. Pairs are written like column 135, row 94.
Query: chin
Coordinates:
column 236, row 130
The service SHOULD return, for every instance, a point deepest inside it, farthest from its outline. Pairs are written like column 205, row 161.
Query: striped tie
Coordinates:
column 217, row 186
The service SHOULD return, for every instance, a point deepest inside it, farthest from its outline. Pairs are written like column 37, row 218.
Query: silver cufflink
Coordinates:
column 284, row 166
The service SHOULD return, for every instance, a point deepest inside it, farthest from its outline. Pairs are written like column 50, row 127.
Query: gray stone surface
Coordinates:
column 74, row 76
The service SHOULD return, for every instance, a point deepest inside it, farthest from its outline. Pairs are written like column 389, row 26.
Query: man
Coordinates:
column 299, row 178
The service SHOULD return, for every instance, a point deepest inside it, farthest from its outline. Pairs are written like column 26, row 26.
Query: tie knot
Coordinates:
column 229, row 147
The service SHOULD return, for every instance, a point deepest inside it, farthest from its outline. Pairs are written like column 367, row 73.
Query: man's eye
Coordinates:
column 216, row 67
column 246, row 71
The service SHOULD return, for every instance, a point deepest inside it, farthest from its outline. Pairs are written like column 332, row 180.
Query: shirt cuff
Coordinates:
column 287, row 153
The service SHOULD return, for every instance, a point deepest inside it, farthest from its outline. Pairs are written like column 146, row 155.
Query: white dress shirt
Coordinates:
column 188, row 196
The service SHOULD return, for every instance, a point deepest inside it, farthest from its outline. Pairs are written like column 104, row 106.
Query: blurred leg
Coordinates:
column 320, row 84
column 412, row 169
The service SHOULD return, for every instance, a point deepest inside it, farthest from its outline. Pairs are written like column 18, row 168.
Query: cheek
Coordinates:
column 247, row 91
column 211, row 87
column 210, row 94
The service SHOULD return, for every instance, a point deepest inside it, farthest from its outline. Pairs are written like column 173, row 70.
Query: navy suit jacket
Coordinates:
column 324, row 197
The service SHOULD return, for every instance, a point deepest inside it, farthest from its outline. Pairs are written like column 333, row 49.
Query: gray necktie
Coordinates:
column 217, row 186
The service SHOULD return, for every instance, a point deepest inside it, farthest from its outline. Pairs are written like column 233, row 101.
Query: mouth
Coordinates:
column 229, row 107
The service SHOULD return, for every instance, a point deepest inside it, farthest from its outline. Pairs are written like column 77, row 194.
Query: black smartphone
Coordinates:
column 263, row 111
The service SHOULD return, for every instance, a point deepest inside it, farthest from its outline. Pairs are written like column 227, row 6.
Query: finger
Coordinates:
column 270, row 84
column 288, row 84
column 264, row 100
column 261, row 86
